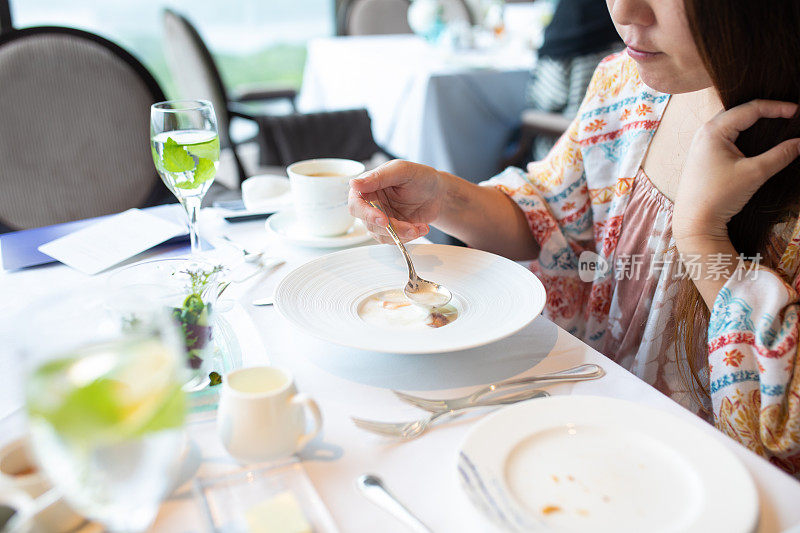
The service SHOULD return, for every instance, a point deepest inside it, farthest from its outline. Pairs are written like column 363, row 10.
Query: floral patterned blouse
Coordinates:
column 590, row 195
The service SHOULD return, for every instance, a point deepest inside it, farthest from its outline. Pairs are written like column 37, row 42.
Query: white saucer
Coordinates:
column 266, row 193
column 284, row 224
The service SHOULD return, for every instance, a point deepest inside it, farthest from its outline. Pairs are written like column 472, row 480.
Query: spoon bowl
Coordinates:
column 420, row 291
column 247, row 255
column 427, row 294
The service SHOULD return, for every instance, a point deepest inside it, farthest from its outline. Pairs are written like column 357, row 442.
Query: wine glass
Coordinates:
column 105, row 405
column 185, row 147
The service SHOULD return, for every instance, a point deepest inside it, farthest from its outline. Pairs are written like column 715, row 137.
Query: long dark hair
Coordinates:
column 750, row 49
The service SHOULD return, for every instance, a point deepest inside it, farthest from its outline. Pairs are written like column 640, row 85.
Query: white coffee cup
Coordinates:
column 261, row 415
column 18, row 472
column 319, row 191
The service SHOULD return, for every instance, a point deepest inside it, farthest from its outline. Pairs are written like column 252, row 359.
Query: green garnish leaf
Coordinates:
column 205, row 171
column 193, row 304
column 176, row 158
column 207, row 150
column 215, row 379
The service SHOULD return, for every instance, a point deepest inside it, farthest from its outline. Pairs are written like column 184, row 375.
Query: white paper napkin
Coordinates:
column 111, row 241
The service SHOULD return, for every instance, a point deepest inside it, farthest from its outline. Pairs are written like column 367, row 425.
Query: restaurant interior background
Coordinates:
column 253, row 41
column 393, row 425
column 410, row 88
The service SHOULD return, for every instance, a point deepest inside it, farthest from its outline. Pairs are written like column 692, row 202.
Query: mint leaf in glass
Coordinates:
column 205, row 171
column 176, row 158
column 207, row 150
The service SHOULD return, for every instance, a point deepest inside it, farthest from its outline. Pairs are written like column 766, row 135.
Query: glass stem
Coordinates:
column 192, row 207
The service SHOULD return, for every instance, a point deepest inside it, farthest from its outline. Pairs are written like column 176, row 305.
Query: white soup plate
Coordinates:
column 495, row 297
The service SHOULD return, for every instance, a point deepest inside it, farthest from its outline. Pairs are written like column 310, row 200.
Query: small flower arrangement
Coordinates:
column 193, row 316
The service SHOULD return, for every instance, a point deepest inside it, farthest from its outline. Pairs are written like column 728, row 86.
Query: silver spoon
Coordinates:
column 249, row 257
column 372, row 487
column 420, row 291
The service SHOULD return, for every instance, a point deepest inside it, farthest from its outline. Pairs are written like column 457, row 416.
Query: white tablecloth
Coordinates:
column 453, row 111
column 348, row 382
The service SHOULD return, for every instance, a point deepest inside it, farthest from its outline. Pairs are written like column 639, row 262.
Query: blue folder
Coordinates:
column 19, row 249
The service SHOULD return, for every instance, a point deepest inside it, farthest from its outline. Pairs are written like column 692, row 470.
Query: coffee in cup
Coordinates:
column 319, row 192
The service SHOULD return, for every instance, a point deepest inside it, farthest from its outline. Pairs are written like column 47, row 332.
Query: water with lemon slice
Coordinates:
column 106, row 424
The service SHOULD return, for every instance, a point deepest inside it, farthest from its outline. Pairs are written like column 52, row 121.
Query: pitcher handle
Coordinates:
column 305, row 401
column 28, row 508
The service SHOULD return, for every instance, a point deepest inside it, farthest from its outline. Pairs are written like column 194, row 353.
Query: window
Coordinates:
column 253, row 41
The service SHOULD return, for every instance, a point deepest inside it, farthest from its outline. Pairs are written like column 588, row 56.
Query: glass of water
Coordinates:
column 185, row 147
column 105, row 406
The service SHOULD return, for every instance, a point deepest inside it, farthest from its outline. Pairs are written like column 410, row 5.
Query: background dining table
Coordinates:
column 347, row 382
column 417, row 93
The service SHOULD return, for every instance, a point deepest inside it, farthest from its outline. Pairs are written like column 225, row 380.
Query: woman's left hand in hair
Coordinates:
column 717, row 179
column 716, row 183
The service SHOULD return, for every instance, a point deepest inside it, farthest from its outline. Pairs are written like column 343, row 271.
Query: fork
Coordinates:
column 584, row 372
column 409, row 430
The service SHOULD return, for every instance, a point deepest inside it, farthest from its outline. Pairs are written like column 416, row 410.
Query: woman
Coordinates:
column 664, row 176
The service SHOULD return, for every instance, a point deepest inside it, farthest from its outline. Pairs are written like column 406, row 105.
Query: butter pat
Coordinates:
column 279, row 514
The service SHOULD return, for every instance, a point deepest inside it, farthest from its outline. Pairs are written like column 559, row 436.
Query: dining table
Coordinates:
column 347, row 382
column 416, row 93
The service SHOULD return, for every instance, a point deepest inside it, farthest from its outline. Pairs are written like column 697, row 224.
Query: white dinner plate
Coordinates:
column 284, row 224
column 494, row 296
column 586, row 463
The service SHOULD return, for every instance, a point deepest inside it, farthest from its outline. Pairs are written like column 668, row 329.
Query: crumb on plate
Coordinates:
column 550, row 509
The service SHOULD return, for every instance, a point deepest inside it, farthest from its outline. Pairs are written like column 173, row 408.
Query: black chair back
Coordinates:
column 196, row 75
column 75, row 110
column 6, row 24
column 343, row 134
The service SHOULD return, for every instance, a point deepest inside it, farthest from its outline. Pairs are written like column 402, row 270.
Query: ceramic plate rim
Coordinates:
column 312, row 241
column 536, row 285
column 524, row 415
